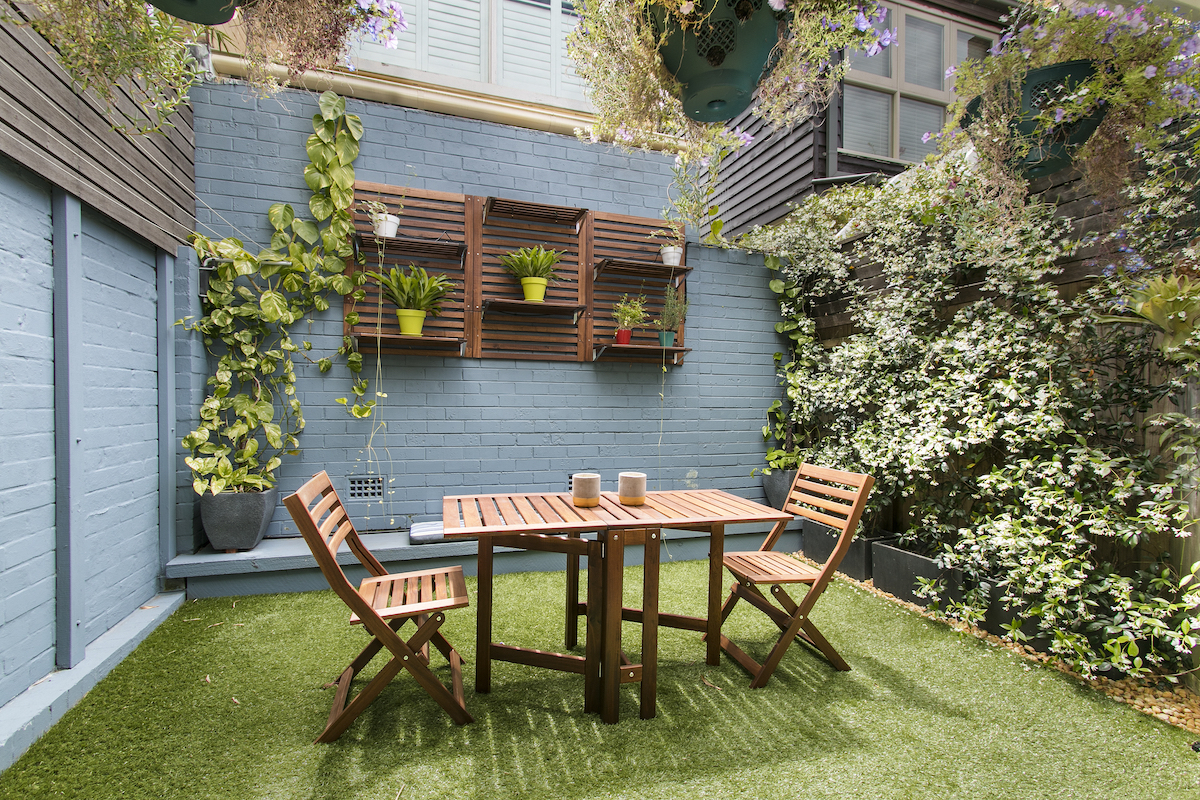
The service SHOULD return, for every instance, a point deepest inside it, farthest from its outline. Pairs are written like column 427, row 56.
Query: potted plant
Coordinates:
column 673, row 313
column 252, row 414
column 383, row 223
column 415, row 295
column 631, row 55
column 534, row 268
column 117, row 49
column 1090, row 84
column 671, row 250
column 629, row 314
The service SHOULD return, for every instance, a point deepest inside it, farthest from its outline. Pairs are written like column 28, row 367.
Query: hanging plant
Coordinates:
column 112, row 46
column 632, row 55
column 1140, row 77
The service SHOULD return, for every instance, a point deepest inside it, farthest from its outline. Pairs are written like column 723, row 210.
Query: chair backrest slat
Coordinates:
column 817, row 494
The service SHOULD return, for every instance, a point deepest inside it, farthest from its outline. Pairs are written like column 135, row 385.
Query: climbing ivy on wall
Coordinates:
column 1001, row 416
column 251, row 415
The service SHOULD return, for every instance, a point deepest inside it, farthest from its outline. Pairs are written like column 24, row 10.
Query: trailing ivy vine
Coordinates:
column 251, row 415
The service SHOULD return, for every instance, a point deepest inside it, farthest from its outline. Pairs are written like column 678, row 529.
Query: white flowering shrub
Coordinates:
column 1001, row 415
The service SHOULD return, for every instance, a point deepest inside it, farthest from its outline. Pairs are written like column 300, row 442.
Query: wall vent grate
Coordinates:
column 364, row 488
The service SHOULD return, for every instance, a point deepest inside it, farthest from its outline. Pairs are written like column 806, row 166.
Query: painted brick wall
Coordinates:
column 120, row 496
column 451, row 424
column 26, row 432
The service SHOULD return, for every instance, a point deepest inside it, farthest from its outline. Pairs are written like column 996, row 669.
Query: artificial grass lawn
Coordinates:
column 926, row 712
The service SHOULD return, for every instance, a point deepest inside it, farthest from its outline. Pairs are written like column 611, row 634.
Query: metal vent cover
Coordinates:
column 366, row 488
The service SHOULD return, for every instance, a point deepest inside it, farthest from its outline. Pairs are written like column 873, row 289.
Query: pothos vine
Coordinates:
column 252, row 302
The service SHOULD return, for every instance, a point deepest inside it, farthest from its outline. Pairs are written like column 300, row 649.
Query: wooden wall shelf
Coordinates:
column 411, row 247
column 533, row 212
column 623, row 268
column 525, row 308
column 605, row 256
column 639, row 353
column 399, row 343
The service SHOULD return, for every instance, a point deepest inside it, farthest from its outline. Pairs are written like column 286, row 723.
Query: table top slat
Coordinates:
column 526, row 509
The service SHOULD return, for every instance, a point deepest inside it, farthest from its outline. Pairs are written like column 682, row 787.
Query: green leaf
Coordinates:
column 354, row 126
column 321, row 206
column 273, row 305
column 306, row 230
column 342, row 176
column 777, row 286
column 315, row 178
column 325, row 364
column 319, row 153
column 274, row 435
column 280, row 215
column 332, row 105
column 347, row 150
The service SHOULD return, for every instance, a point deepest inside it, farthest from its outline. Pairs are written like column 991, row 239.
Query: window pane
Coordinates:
column 879, row 64
column 971, row 47
column 867, row 121
column 923, row 52
column 917, row 119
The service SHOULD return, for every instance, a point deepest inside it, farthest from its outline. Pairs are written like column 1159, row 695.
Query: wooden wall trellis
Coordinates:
column 605, row 257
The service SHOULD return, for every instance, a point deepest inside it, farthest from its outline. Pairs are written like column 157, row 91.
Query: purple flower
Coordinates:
column 950, row 71
column 861, row 22
column 1190, row 47
column 777, row 4
column 1059, row 114
column 928, row 135
column 1151, row 71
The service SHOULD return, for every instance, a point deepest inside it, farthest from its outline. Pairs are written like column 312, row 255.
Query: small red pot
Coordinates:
column 623, row 336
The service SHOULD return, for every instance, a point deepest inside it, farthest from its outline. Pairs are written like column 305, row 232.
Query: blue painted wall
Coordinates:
column 117, row 508
column 120, row 400
column 26, row 431
column 448, row 424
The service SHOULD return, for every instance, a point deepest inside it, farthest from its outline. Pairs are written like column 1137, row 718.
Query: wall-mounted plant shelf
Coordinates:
column 525, row 308
column 639, row 353
column 532, row 212
column 603, row 258
column 402, row 247
column 399, row 343
column 624, row 268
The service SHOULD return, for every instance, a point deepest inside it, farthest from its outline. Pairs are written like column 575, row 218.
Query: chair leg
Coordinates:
column 342, row 714
column 809, row 632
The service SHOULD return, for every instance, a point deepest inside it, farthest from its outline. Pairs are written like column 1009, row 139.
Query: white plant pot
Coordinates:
column 385, row 225
column 671, row 255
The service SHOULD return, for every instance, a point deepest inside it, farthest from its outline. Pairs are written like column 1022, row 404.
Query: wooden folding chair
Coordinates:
column 830, row 497
column 382, row 604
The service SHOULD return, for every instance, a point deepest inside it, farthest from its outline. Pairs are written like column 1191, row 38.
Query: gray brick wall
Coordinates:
column 450, row 425
column 26, row 432
column 120, row 401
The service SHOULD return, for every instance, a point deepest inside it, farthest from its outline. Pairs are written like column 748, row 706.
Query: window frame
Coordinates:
column 897, row 87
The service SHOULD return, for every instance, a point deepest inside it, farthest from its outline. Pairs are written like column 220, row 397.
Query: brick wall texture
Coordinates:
column 26, row 431
column 450, row 425
column 117, row 507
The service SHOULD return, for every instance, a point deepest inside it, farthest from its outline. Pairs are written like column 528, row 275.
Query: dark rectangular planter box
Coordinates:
column 896, row 572
column 997, row 616
column 818, row 542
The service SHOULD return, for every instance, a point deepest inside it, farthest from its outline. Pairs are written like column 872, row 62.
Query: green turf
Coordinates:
column 925, row 713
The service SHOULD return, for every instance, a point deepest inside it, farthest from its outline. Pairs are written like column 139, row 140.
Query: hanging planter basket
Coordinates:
column 720, row 61
column 1053, row 148
column 203, row 12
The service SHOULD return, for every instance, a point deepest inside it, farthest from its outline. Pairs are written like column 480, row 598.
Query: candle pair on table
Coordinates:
column 585, row 489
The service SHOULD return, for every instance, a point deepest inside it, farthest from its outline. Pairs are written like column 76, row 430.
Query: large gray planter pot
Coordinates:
column 776, row 485
column 237, row 520
column 818, row 542
column 895, row 571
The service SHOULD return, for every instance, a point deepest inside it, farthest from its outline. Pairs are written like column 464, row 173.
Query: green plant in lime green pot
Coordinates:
column 415, row 293
column 534, row 268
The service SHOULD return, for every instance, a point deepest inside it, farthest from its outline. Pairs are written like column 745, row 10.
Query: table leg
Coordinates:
column 716, row 555
column 610, row 667
column 649, row 697
column 483, row 618
column 571, row 636
column 594, row 632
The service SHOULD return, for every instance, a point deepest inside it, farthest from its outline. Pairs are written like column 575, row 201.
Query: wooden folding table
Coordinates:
column 547, row 521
